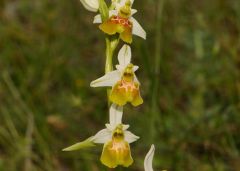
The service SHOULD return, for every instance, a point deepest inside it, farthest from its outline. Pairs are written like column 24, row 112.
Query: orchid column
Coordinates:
column 116, row 22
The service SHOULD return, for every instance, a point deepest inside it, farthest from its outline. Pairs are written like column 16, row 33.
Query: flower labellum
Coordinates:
column 91, row 5
column 126, row 90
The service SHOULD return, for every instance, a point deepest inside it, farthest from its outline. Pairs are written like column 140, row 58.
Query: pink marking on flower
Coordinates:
column 128, row 85
column 120, row 20
column 118, row 146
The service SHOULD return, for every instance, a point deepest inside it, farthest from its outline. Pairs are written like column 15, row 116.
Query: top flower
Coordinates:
column 121, row 21
column 124, row 83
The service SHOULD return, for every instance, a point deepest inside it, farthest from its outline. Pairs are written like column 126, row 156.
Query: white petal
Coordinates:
column 110, row 127
column 120, row 68
column 122, row 3
column 115, row 115
column 137, row 29
column 133, row 11
column 136, row 79
column 98, row 19
column 125, row 127
column 130, row 137
column 124, row 56
column 91, row 5
column 113, row 12
column 107, row 80
column 148, row 159
column 102, row 136
column 135, row 68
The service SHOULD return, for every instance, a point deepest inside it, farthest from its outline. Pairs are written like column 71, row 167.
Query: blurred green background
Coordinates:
column 189, row 70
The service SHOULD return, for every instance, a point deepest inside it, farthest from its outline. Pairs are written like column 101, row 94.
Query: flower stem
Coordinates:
column 109, row 54
column 111, row 44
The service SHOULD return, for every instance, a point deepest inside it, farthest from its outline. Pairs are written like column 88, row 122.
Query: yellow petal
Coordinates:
column 137, row 99
column 111, row 27
column 118, row 95
column 121, row 94
column 116, row 153
column 108, row 28
column 126, row 35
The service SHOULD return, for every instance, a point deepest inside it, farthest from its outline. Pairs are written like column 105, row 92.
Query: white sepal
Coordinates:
column 108, row 80
column 124, row 56
column 148, row 159
column 115, row 115
column 102, row 136
column 130, row 137
column 91, row 5
column 137, row 29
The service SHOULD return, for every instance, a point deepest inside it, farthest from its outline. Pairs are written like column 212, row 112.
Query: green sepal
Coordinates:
column 103, row 9
column 81, row 145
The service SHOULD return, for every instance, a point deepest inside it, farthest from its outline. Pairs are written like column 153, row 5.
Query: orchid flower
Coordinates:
column 124, row 83
column 91, row 5
column 121, row 21
column 116, row 140
column 148, row 159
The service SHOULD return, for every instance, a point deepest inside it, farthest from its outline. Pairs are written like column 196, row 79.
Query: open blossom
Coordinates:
column 121, row 21
column 124, row 83
column 116, row 140
column 148, row 159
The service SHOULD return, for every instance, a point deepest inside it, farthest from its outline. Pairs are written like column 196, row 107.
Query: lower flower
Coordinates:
column 116, row 140
column 117, row 151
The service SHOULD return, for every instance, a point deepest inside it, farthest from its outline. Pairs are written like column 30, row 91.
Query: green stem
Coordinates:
column 111, row 44
column 109, row 55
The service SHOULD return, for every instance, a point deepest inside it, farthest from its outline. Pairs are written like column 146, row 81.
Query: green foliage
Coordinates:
column 50, row 51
